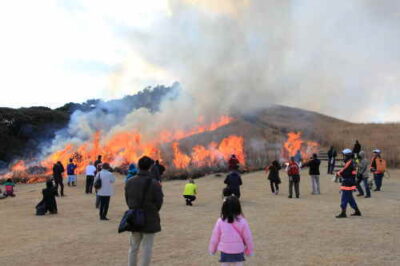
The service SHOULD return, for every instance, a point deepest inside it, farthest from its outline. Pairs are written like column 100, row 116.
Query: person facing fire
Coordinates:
column 98, row 163
column 90, row 174
column 356, row 149
column 331, row 160
column 378, row 168
column 9, row 188
column 58, row 170
column 293, row 171
column 48, row 203
column 190, row 192
column 71, row 173
column 362, row 176
column 234, row 181
column 273, row 176
column 348, row 174
column 233, row 163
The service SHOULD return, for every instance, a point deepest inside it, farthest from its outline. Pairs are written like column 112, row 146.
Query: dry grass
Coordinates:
column 287, row 232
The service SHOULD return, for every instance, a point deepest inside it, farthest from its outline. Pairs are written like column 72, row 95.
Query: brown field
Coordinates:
column 286, row 231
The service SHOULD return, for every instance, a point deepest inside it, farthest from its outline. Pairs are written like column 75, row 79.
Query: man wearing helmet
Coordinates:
column 348, row 174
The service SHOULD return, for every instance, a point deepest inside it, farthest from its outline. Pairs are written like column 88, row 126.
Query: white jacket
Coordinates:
column 107, row 178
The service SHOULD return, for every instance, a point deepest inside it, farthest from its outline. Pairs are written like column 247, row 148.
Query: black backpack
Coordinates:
column 97, row 184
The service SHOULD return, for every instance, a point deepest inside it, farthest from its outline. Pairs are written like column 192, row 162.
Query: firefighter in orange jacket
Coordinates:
column 348, row 174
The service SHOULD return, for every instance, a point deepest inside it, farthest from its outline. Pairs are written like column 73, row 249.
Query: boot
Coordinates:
column 342, row 214
column 356, row 213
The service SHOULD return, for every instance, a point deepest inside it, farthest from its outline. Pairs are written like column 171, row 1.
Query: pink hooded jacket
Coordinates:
column 231, row 238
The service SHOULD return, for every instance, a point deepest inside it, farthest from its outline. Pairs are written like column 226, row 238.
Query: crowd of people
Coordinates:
column 231, row 235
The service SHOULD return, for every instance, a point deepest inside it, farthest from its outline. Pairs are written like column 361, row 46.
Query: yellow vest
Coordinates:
column 190, row 189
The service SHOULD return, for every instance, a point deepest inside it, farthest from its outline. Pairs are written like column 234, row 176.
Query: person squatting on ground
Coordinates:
column 233, row 182
column 71, row 173
column 58, row 170
column 293, row 171
column 9, row 188
column 231, row 234
column 90, row 174
column 190, row 192
column 48, row 203
column 106, row 190
column 331, row 160
column 143, row 188
column 362, row 176
column 348, row 174
column 378, row 168
column 273, row 176
column 314, row 172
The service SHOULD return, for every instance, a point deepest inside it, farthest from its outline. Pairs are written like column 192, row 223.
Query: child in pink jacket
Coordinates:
column 231, row 235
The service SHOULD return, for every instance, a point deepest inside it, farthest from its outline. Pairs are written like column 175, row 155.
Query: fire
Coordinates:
column 181, row 160
column 295, row 143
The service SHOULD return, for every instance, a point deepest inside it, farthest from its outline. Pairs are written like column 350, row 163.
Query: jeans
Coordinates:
column 378, row 181
column 294, row 181
column 89, row 183
column 272, row 184
column 347, row 198
column 315, row 184
column 72, row 179
column 146, row 242
column 104, row 203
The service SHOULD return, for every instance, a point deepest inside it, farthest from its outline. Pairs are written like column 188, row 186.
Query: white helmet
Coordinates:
column 347, row 151
column 377, row 151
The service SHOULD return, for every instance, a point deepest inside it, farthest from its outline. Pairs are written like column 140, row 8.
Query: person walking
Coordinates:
column 293, row 171
column 106, row 190
column 348, row 174
column 314, row 172
column 331, row 160
column 71, row 173
column 273, row 176
column 58, row 170
column 378, row 168
column 362, row 176
column 190, row 192
column 231, row 235
column 90, row 174
column 233, row 182
column 144, row 188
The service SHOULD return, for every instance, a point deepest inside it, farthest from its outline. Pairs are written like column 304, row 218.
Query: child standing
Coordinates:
column 190, row 192
column 273, row 176
column 231, row 235
column 9, row 188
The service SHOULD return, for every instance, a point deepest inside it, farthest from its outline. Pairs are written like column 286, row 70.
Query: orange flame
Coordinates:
column 295, row 143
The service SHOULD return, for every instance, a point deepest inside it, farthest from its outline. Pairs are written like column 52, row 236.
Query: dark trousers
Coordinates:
column 347, row 198
column 294, row 181
column 59, row 182
column 378, row 181
column 331, row 165
column 235, row 191
column 104, row 203
column 89, row 183
column 272, row 184
column 189, row 199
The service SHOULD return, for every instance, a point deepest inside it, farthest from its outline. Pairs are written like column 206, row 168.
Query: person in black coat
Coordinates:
column 314, row 172
column 48, row 203
column 233, row 182
column 332, row 154
column 273, row 176
column 58, row 170
column 356, row 149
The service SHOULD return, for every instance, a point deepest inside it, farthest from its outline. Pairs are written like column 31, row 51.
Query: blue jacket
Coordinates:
column 132, row 171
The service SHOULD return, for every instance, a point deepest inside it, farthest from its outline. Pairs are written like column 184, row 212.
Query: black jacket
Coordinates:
column 314, row 166
column 233, row 180
column 58, row 169
column 357, row 148
column 332, row 153
column 134, row 190
column 273, row 174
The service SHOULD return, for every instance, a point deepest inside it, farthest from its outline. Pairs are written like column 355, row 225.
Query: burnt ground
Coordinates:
column 286, row 231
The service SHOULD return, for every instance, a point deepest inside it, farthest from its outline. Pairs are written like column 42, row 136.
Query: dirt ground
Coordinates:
column 286, row 231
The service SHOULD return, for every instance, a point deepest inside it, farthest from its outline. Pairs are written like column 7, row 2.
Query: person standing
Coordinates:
column 98, row 164
column 143, row 188
column 190, row 192
column 348, row 174
column 58, row 170
column 356, row 149
column 362, row 176
column 378, row 167
column 293, row 171
column 106, row 190
column 314, row 172
column 233, row 182
column 233, row 162
column 298, row 158
column 71, row 173
column 331, row 160
column 132, row 171
column 90, row 173
column 273, row 176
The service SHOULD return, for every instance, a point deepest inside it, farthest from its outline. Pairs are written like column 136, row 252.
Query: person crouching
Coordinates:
column 190, row 192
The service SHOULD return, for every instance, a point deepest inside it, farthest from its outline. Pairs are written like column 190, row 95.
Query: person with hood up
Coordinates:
column 132, row 171
column 362, row 176
column 348, row 174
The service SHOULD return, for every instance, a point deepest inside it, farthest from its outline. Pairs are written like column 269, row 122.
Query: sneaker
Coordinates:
column 289, row 197
column 367, row 197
